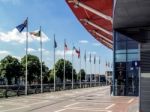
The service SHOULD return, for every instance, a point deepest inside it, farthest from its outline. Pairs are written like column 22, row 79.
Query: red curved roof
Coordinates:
column 102, row 6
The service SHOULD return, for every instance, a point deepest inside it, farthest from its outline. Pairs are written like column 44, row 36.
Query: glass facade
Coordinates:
column 126, row 71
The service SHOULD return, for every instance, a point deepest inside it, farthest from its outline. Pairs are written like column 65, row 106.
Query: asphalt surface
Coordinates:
column 95, row 99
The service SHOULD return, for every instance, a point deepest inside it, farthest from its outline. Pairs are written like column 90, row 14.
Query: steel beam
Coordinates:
column 97, row 26
column 100, row 14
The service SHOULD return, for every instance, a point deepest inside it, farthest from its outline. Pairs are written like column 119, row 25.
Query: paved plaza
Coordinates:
column 95, row 99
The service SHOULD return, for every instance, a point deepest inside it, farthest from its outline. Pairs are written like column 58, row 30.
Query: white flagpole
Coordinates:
column 95, row 70
column 72, row 68
column 26, row 76
column 80, row 67
column 85, row 67
column 64, row 79
column 99, row 71
column 54, row 66
column 106, row 73
column 41, row 61
column 91, row 72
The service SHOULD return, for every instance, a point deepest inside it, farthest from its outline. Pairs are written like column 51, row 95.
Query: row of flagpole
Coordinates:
column 21, row 27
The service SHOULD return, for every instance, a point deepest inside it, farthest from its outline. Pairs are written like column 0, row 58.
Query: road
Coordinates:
column 96, row 99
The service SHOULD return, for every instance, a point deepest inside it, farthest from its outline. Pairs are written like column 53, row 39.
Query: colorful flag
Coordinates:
column 78, row 52
column 66, row 47
column 21, row 27
column 55, row 43
column 37, row 34
column 85, row 56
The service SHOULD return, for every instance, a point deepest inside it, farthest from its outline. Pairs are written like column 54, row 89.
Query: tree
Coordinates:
column 45, row 70
column 51, row 76
column 33, row 68
column 10, row 68
column 82, row 74
column 59, row 67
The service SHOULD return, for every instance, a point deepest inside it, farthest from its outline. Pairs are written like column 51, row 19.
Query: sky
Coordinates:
column 54, row 17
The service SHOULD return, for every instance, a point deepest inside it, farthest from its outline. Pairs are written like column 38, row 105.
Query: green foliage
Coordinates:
column 59, row 68
column 34, row 69
column 10, row 67
column 82, row 72
column 51, row 76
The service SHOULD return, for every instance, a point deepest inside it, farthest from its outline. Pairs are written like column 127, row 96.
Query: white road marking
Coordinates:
column 89, row 109
column 60, row 110
column 14, row 109
column 110, row 106
column 38, row 103
column 131, row 100
column 71, row 104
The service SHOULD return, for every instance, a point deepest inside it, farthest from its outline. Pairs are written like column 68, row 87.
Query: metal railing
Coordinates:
column 18, row 90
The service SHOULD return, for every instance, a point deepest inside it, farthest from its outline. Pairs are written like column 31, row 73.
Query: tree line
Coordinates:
column 12, row 71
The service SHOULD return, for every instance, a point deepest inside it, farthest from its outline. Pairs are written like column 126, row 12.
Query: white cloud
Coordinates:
column 96, row 44
column 15, row 36
column 3, row 53
column 44, row 37
column 18, row 57
column 31, row 50
column 83, row 42
column 61, row 52
column 45, row 52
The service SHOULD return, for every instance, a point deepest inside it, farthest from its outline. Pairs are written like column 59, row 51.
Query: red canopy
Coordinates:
column 94, row 22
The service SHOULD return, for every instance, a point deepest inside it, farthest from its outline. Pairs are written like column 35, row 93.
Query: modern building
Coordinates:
column 124, row 27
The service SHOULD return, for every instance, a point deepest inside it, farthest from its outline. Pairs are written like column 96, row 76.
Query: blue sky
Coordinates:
column 55, row 17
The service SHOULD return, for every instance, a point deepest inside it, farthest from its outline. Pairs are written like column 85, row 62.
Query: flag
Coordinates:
column 21, row 27
column 85, row 56
column 66, row 47
column 78, row 52
column 90, row 58
column 37, row 34
column 55, row 43
column 94, row 59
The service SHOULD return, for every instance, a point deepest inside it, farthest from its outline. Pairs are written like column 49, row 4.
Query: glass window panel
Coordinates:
column 120, row 45
column 120, row 57
column 132, row 51
column 132, row 45
column 120, row 37
column 132, row 57
column 121, row 51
